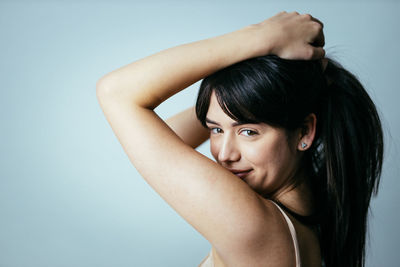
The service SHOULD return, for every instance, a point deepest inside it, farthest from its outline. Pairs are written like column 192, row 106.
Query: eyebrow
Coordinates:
column 236, row 123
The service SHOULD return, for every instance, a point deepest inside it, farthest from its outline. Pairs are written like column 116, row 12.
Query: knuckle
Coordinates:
column 280, row 14
column 307, row 16
column 317, row 26
column 293, row 13
column 309, row 53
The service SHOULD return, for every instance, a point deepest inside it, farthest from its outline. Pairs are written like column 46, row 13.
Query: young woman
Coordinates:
column 296, row 139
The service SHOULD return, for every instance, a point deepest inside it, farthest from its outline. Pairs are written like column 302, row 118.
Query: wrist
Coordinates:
column 257, row 43
column 240, row 45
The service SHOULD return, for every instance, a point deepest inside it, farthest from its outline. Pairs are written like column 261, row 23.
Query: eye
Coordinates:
column 216, row 130
column 248, row 132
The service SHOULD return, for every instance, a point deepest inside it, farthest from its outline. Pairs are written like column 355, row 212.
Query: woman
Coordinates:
column 297, row 143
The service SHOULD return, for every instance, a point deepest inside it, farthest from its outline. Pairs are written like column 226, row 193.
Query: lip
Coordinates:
column 241, row 173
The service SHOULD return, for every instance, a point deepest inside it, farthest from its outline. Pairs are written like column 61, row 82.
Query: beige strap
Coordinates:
column 208, row 261
column 293, row 233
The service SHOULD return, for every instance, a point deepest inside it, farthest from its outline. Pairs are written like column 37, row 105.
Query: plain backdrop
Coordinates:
column 68, row 193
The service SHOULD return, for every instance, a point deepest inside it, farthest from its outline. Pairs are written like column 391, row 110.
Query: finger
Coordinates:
column 317, row 20
column 319, row 39
column 318, row 53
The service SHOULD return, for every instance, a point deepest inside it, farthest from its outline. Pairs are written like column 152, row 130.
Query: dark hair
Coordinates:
column 345, row 160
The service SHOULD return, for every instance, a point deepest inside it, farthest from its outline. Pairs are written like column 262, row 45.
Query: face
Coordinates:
column 259, row 154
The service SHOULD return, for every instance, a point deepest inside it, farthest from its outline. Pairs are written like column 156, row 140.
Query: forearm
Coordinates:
column 186, row 125
column 151, row 80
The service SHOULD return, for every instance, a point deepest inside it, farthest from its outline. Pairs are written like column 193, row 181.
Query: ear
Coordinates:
column 307, row 133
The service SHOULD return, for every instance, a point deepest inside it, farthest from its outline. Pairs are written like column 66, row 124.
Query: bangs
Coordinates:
column 238, row 107
column 245, row 92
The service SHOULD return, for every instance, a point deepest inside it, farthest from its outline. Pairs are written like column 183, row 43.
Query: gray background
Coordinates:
column 69, row 195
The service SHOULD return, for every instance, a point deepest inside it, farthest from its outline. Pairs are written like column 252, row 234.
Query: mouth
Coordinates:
column 241, row 173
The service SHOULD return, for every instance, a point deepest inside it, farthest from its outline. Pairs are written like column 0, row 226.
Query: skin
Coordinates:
column 244, row 228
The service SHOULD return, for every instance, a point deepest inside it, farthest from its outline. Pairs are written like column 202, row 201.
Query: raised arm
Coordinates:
column 209, row 197
column 186, row 125
column 287, row 35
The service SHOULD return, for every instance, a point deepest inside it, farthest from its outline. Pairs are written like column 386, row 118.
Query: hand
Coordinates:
column 291, row 36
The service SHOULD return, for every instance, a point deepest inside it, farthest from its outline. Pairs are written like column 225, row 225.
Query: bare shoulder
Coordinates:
column 307, row 239
column 273, row 245
column 270, row 245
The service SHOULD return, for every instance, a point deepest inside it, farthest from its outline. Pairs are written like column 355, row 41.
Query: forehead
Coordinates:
column 237, row 107
column 215, row 112
column 216, row 115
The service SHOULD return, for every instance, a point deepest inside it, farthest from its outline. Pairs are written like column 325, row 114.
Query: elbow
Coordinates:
column 102, row 87
column 109, row 90
column 106, row 91
column 101, row 94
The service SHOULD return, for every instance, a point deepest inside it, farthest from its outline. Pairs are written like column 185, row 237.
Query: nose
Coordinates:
column 228, row 150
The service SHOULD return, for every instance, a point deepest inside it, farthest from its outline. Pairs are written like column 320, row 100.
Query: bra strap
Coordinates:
column 293, row 233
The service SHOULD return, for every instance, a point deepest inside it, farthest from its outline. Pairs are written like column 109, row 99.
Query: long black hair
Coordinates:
column 345, row 160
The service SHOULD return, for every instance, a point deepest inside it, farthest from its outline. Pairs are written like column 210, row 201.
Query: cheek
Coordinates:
column 260, row 157
column 214, row 149
column 256, row 154
column 269, row 154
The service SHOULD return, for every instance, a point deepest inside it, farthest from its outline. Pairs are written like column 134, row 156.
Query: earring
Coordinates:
column 303, row 145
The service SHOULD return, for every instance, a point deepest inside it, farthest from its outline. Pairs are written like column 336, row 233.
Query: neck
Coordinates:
column 297, row 198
